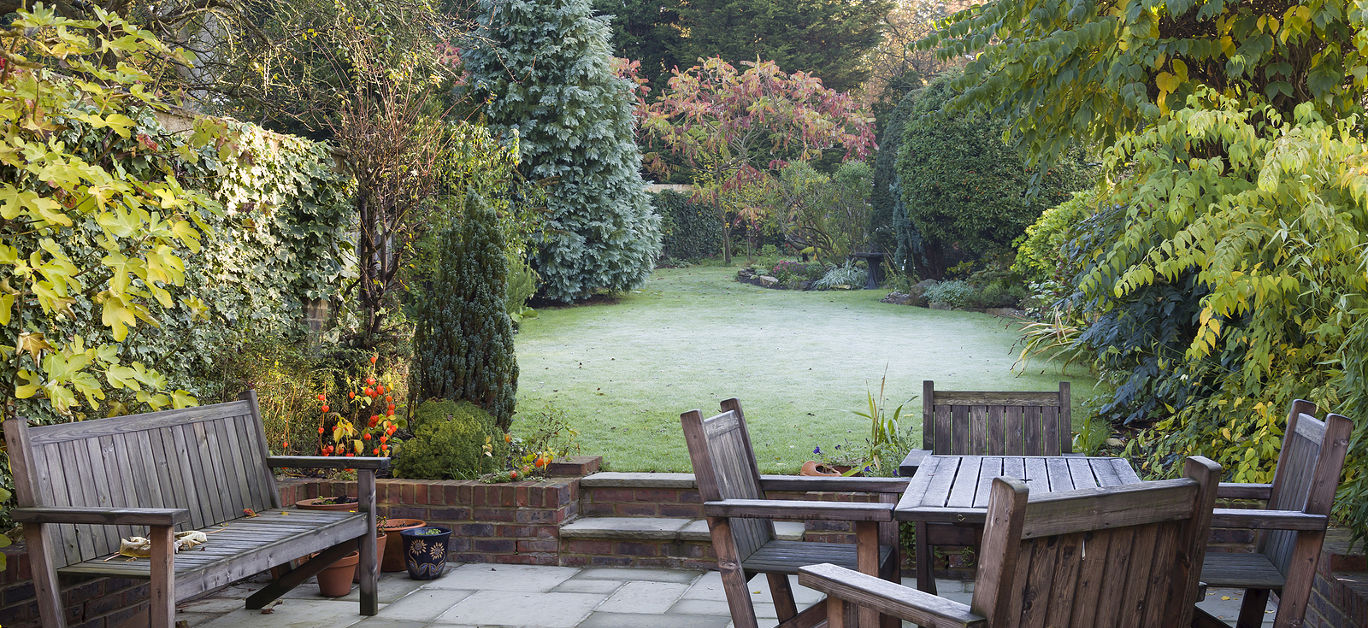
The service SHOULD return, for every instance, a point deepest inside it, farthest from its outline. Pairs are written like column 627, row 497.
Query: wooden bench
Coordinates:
column 82, row 486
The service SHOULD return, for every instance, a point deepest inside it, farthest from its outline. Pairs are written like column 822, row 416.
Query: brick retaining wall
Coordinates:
column 520, row 522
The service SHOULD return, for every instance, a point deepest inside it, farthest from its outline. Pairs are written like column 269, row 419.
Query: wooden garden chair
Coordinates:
column 1113, row 557
column 986, row 423
column 741, row 519
column 1292, row 527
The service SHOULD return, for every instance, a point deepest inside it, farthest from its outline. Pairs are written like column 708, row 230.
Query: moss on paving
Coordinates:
column 800, row 362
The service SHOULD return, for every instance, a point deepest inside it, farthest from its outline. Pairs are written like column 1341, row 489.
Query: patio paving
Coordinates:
column 480, row 594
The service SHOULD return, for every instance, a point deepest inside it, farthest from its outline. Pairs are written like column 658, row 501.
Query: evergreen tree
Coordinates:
column 463, row 341
column 825, row 38
column 543, row 70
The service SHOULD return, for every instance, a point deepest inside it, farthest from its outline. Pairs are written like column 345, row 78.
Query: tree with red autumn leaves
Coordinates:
column 735, row 127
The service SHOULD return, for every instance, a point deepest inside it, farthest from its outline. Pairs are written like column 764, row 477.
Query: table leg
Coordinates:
column 926, row 574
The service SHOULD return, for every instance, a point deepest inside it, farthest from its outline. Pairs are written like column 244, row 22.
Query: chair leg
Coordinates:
column 738, row 596
column 782, row 592
column 926, row 579
column 1252, row 608
column 835, row 612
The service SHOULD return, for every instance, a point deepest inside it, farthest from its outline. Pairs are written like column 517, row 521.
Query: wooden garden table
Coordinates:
column 954, row 489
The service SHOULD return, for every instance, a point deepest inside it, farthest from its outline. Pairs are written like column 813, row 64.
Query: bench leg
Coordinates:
column 162, row 609
column 370, row 563
column 292, row 578
column 1252, row 608
column 45, row 586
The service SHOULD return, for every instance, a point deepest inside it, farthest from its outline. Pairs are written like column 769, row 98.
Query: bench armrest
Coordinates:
column 1232, row 490
column 804, row 483
column 102, row 516
column 1258, row 519
column 328, row 462
column 887, row 598
column 798, row 510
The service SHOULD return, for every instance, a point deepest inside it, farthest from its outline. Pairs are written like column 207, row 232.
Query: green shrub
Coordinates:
column 599, row 232
column 453, row 440
column 522, row 284
column 956, row 293
column 848, row 275
column 463, row 337
column 967, row 193
column 688, row 230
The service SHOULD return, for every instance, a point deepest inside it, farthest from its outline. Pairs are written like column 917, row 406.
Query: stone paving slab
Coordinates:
column 552, row 597
column 624, row 528
column 618, row 479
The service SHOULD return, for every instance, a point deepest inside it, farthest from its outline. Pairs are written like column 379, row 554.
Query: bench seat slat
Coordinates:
column 262, row 542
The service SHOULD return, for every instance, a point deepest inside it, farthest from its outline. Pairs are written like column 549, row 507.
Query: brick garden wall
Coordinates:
column 520, row 523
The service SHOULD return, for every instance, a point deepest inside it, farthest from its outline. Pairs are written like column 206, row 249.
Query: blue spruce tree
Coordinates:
column 542, row 68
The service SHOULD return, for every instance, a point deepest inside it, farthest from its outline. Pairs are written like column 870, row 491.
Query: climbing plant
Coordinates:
column 90, row 252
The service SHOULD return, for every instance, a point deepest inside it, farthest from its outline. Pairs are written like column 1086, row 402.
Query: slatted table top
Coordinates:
column 954, row 489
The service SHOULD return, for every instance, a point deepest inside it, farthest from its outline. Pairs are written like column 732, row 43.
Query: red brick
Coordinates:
column 526, row 532
column 533, row 515
column 473, row 529
column 420, row 493
column 494, row 546
column 450, row 514
column 613, row 495
column 406, row 493
column 686, row 511
column 635, row 510
column 624, row 548
column 538, row 545
column 494, row 514
column 583, row 546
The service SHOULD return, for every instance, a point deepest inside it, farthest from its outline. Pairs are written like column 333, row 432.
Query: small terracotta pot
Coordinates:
column 336, row 579
column 394, row 552
column 814, row 468
column 380, row 541
column 313, row 504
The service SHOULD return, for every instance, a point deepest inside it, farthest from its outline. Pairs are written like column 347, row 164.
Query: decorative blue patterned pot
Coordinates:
column 425, row 553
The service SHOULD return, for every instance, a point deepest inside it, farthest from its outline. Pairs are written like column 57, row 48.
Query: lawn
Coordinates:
column 800, row 362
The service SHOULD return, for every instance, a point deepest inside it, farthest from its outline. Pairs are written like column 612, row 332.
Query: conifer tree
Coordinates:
column 463, row 342
column 542, row 68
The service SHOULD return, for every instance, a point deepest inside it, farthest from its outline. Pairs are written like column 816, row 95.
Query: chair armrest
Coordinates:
column 912, row 461
column 1232, row 490
column 799, row 510
column 804, row 483
column 1256, row 519
column 102, row 516
column 888, row 598
column 328, row 462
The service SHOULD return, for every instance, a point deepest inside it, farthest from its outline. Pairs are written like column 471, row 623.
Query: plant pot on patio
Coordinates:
column 336, row 579
column 425, row 551
column 381, row 541
column 393, row 556
column 327, row 503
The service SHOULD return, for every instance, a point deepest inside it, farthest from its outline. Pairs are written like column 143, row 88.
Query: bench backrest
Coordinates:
column 210, row 460
column 1119, row 556
column 995, row 423
column 1308, row 473
column 725, row 468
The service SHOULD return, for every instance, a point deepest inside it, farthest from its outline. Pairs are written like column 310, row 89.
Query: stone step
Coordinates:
column 668, row 529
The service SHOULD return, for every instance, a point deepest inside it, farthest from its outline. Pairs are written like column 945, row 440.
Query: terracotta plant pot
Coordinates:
column 425, row 554
column 814, row 468
column 381, row 540
column 393, row 556
column 336, row 579
column 314, row 504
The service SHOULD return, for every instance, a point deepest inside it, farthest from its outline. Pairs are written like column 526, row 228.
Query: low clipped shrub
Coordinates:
column 453, row 440
column 688, row 230
column 788, row 272
column 955, row 293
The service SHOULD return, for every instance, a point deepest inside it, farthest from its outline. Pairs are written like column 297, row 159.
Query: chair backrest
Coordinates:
column 996, row 423
column 208, row 459
column 724, row 468
column 1307, row 475
column 1119, row 556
